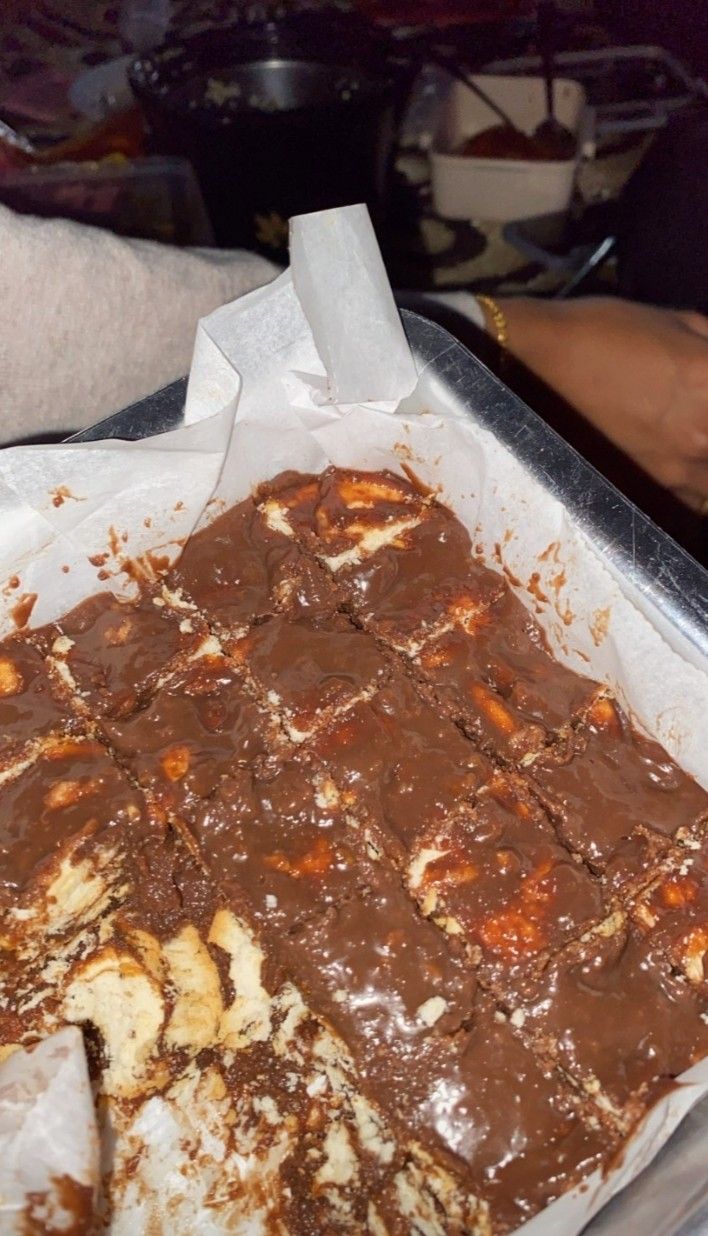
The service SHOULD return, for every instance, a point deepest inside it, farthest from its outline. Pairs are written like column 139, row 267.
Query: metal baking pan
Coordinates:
column 671, row 1197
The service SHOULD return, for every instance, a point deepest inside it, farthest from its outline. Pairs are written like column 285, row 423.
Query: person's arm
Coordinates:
column 638, row 374
column 90, row 322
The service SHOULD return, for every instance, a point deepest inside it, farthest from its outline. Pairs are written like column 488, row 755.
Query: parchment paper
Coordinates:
column 260, row 399
column 47, row 1132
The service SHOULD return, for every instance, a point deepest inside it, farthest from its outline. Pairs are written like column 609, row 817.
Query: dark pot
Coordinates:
column 278, row 119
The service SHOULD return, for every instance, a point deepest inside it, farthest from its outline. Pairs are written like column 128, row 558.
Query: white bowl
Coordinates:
column 504, row 189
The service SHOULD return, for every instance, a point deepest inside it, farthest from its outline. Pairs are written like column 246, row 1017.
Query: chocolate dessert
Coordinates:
column 376, row 917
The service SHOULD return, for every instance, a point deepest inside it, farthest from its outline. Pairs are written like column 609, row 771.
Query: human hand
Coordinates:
column 638, row 374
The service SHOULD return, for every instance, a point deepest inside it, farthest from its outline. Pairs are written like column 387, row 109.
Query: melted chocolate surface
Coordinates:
column 474, row 871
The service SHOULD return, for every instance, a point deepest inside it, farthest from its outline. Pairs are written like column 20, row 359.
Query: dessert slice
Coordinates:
column 399, row 766
column 34, row 702
column 403, row 561
column 442, row 1062
column 610, row 1011
column 673, row 912
column 497, row 878
column 243, row 1104
column 617, row 798
column 277, row 1132
column 200, row 725
column 443, row 1065
column 70, row 824
column 281, row 848
column 494, row 675
column 309, row 672
column 113, row 653
column 239, row 570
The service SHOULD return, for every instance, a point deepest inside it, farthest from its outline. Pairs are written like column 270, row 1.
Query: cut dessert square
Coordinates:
column 618, row 798
column 33, row 700
column 610, row 1011
column 498, row 878
column 673, row 912
column 113, row 652
column 281, row 847
column 202, row 1063
column 448, row 664
column 238, row 570
column 399, row 765
column 68, row 823
column 309, row 671
column 200, row 725
column 385, row 978
column 494, row 674
column 425, row 579
column 404, row 563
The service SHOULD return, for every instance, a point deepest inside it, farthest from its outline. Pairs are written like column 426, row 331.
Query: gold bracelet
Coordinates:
column 498, row 320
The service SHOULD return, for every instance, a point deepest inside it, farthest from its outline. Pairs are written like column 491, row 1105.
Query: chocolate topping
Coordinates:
column 616, row 786
column 120, row 649
column 498, row 679
column 281, row 848
column 72, row 793
column 513, row 1121
column 611, row 1009
column 238, row 569
column 399, row 764
column 331, row 512
column 308, row 668
column 426, row 574
column 201, row 725
column 674, row 912
column 31, row 702
column 507, row 882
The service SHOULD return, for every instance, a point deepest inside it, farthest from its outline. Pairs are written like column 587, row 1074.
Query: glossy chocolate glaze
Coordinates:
column 673, row 911
column 466, row 1086
column 503, row 877
column 330, row 512
column 427, row 574
column 423, row 569
column 32, row 703
column 399, row 764
column 119, row 649
column 238, row 569
column 611, row 1009
column 74, row 792
column 335, row 783
column 308, row 668
column 201, row 725
column 497, row 678
column 615, row 792
column 282, row 848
